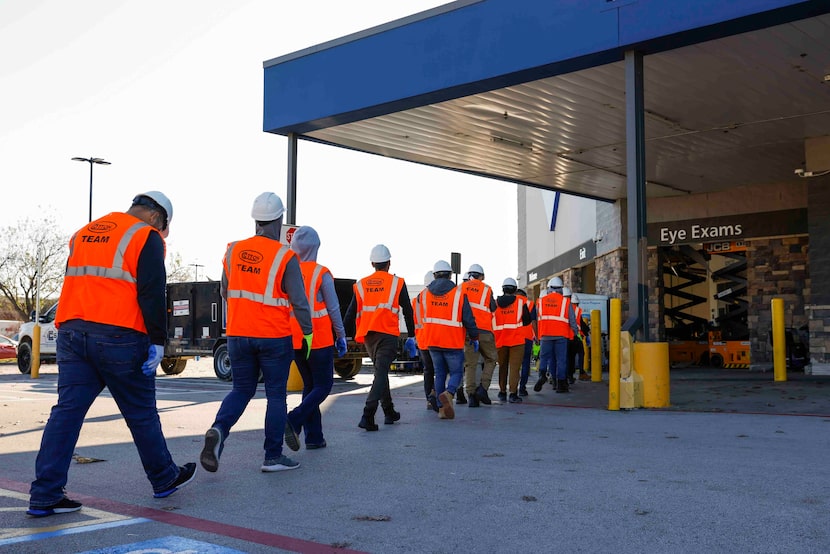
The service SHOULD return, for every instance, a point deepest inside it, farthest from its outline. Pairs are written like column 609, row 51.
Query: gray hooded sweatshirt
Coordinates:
column 305, row 244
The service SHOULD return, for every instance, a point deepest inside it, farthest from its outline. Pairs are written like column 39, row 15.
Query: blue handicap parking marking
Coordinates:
column 166, row 545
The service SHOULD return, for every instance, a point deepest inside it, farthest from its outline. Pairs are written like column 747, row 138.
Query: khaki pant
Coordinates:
column 487, row 351
column 510, row 366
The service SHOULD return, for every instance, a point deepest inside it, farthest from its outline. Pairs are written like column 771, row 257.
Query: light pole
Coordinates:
column 197, row 266
column 91, row 162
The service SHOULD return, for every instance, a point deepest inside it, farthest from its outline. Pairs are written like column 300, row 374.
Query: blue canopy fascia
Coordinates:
column 472, row 46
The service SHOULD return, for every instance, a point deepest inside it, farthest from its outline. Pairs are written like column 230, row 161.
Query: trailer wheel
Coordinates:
column 24, row 358
column 716, row 360
column 347, row 369
column 173, row 366
column 222, row 363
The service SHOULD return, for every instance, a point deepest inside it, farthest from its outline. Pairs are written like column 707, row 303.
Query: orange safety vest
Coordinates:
column 257, row 305
column 552, row 316
column 377, row 304
column 528, row 329
column 443, row 326
column 100, row 283
column 479, row 296
column 507, row 324
column 578, row 315
column 418, row 304
column 320, row 318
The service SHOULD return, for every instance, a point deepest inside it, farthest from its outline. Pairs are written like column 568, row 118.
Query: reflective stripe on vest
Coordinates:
column 272, row 277
column 447, row 331
column 480, row 305
column 377, row 310
column 509, row 332
column 550, row 323
column 388, row 305
column 114, row 271
column 320, row 319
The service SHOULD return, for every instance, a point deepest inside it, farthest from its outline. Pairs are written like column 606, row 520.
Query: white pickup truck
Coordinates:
column 48, row 340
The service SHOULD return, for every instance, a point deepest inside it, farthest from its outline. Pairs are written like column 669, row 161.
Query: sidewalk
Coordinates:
column 557, row 472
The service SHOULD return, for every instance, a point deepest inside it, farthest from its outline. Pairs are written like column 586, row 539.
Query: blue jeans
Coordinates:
column 318, row 377
column 525, row 374
column 90, row 357
column 249, row 356
column 553, row 357
column 447, row 361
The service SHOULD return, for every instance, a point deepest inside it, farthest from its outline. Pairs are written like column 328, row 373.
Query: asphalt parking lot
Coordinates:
column 734, row 464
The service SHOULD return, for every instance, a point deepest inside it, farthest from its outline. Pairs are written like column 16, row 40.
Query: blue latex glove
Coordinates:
column 307, row 344
column 411, row 347
column 475, row 345
column 340, row 346
column 155, row 354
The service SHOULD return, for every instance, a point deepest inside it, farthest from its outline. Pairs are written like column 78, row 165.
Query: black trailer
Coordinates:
column 196, row 321
column 196, row 318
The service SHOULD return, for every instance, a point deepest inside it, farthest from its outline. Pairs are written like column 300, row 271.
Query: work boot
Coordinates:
column 502, row 396
column 368, row 420
column 473, row 401
column 390, row 415
column 562, row 385
column 459, row 396
column 542, row 380
column 514, row 398
column 583, row 376
column 482, row 396
column 447, row 411
column 432, row 402
column 522, row 391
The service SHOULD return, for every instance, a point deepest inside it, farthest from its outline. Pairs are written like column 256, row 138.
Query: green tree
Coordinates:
column 19, row 248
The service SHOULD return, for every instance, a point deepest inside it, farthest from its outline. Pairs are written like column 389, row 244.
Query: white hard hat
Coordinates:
column 555, row 283
column 267, row 207
column 574, row 298
column 380, row 254
column 475, row 268
column 566, row 291
column 160, row 199
column 428, row 278
column 510, row 282
column 441, row 266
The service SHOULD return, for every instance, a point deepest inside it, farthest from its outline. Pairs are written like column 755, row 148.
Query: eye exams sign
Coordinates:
column 741, row 226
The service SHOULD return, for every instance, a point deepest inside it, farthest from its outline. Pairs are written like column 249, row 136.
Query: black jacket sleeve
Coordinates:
column 151, row 281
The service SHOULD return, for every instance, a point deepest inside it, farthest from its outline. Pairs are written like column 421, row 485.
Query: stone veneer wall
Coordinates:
column 776, row 268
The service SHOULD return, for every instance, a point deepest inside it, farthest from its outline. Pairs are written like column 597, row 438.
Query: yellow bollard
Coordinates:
column 596, row 346
column 35, row 372
column 295, row 380
column 651, row 362
column 614, row 328
column 779, row 341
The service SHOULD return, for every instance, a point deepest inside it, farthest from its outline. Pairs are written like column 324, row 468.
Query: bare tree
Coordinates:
column 177, row 272
column 19, row 248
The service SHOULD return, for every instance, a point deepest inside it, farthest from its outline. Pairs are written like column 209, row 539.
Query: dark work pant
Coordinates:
column 382, row 349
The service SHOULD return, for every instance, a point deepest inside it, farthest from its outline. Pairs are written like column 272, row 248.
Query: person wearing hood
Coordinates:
column 423, row 346
column 446, row 315
column 511, row 318
column 317, row 370
column 262, row 284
